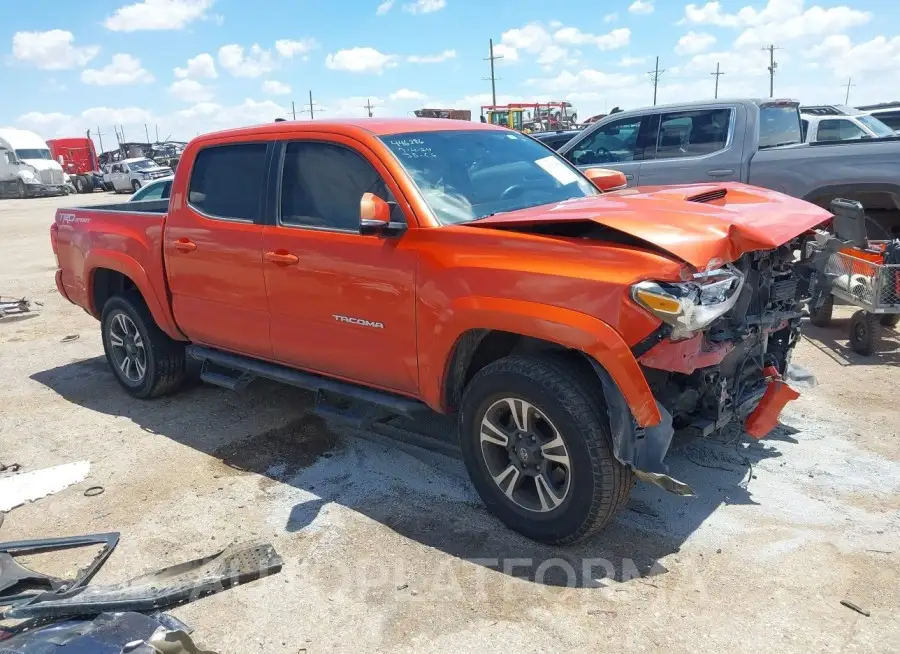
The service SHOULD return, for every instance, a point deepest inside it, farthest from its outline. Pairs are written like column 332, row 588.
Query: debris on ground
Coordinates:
column 16, row 307
column 854, row 607
column 17, row 489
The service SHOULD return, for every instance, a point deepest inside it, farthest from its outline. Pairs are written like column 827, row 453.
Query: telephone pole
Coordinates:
column 293, row 110
column 772, row 66
column 311, row 106
column 654, row 75
column 100, row 137
column 368, row 106
column 493, row 78
column 718, row 74
column 849, row 85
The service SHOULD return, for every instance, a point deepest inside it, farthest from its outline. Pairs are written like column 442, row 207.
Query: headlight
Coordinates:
column 693, row 305
column 145, row 175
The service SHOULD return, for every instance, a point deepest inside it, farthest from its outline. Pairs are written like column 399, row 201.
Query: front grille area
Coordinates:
column 51, row 177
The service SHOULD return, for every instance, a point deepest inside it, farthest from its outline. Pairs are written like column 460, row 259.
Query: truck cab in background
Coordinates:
column 78, row 159
column 27, row 169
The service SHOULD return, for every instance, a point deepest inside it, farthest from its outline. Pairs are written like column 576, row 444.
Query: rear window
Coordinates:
column 779, row 125
column 227, row 181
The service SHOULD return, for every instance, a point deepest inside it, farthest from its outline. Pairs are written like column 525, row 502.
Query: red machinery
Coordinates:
column 78, row 158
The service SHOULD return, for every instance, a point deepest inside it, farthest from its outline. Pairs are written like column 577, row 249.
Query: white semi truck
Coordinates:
column 27, row 169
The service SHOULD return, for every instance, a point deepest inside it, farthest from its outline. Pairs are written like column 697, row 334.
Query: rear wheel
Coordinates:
column 821, row 316
column 890, row 320
column 135, row 185
column 88, row 184
column 535, row 440
column 78, row 183
column 865, row 331
column 145, row 361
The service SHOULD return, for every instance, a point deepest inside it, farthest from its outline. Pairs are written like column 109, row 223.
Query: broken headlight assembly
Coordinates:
column 692, row 305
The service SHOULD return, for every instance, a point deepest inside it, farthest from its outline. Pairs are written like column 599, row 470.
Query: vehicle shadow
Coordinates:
column 833, row 342
column 421, row 494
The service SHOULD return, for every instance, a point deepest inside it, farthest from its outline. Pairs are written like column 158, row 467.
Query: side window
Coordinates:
column 839, row 129
column 804, row 129
column 692, row 133
column 152, row 192
column 227, row 181
column 616, row 141
column 7, row 156
column 889, row 118
column 322, row 184
column 167, row 189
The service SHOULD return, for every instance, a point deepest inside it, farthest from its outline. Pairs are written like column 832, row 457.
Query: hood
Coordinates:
column 42, row 164
column 696, row 223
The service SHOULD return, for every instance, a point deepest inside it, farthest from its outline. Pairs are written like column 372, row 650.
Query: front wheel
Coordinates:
column 145, row 361
column 889, row 320
column 865, row 331
column 535, row 439
column 821, row 316
column 135, row 185
column 21, row 190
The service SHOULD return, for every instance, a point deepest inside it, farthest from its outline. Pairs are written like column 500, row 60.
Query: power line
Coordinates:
column 718, row 74
column 493, row 77
column 654, row 76
column 849, row 85
column 772, row 66
column 368, row 106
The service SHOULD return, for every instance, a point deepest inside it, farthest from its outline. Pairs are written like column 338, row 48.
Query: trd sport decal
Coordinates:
column 359, row 321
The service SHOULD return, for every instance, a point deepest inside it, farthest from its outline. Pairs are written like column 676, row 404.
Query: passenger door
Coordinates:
column 213, row 249
column 341, row 303
column 696, row 146
column 619, row 145
column 119, row 177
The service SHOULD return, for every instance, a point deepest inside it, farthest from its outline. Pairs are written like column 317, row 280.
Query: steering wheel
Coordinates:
column 515, row 189
column 605, row 153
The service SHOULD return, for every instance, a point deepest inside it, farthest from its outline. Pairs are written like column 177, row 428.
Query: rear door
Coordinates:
column 619, row 145
column 213, row 248
column 696, row 146
column 119, row 177
column 341, row 303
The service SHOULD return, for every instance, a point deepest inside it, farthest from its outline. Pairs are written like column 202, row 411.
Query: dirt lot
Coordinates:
column 386, row 547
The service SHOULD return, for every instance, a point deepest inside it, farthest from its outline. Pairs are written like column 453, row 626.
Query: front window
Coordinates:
column 467, row 175
column 33, row 153
column 779, row 124
column 141, row 164
column 878, row 128
column 839, row 129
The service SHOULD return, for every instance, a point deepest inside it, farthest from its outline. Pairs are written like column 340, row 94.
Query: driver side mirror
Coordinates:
column 375, row 217
column 606, row 180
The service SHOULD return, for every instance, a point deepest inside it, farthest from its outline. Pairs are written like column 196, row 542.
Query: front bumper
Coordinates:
column 44, row 190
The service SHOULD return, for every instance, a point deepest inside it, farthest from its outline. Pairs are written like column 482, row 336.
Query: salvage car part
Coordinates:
column 184, row 582
column 18, row 583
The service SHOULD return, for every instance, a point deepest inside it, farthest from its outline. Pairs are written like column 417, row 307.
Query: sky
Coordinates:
column 178, row 68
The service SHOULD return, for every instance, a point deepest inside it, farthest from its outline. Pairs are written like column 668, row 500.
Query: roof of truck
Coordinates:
column 376, row 126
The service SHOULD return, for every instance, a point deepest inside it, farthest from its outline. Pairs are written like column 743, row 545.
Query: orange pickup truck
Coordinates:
column 414, row 265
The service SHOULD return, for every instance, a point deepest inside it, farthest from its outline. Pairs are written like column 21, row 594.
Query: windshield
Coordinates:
column 878, row 128
column 36, row 153
column 779, row 125
column 141, row 164
column 466, row 175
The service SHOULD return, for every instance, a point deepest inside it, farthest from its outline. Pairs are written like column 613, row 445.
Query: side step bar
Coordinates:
column 248, row 368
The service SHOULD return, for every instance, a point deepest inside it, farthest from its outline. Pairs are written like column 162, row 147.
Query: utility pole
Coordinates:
column 156, row 127
column 493, row 77
column 293, row 110
column 718, row 74
column 849, row 84
column 772, row 66
column 654, row 75
column 100, row 136
column 311, row 115
column 368, row 107
column 122, row 131
column 147, row 132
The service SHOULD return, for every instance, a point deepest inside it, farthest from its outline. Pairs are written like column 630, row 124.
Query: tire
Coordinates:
column 865, row 332
column 135, row 185
column 88, row 185
column 889, row 320
column 108, row 186
column 163, row 358
column 21, row 190
column 821, row 317
column 563, row 402
column 78, row 183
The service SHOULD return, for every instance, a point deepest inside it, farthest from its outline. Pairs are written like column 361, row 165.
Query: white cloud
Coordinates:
column 432, row 59
column 641, row 7
column 288, row 48
column 273, row 87
column 124, row 69
column 157, row 15
column 506, row 52
column 626, row 61
column 407, row 94
column 694, row 43
column 189, row 90
column 535, row 39
column 844, row 59
column 257, row 62
column 51, row 50
column 583, row 80
column 611, row 18
column 200, row 67
column 424, row 6
column 573, row 36
column 384, row 7
column 360, row 60
column 552, row 54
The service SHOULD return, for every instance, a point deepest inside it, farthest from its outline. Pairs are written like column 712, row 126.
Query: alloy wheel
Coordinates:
column 128, row 349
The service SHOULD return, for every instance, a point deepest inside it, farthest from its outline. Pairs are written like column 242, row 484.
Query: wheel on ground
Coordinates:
column 21, row 191
column 535, row 439
column 88, row 186
column 865, row 330
column 821, row 316
column 889, row 320
column 108, row 186
column 135, row 185
column 145, row 361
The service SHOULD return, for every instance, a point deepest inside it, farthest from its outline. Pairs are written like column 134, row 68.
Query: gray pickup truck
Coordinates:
column 752, row 141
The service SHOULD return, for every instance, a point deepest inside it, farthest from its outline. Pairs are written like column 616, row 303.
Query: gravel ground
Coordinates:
column 386, row 546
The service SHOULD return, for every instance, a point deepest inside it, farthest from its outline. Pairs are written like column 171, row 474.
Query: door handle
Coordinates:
column 629, row 176
column 282, row 258
column 721, row 173
column 185, row 245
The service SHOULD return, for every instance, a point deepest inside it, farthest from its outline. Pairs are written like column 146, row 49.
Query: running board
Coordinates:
column 248, row 368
